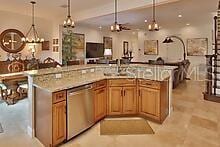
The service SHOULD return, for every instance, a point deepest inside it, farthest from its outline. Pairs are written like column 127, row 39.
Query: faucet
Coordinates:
column 118, row 65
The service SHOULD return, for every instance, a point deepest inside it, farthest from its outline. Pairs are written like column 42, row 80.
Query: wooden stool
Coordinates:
column 23, row 91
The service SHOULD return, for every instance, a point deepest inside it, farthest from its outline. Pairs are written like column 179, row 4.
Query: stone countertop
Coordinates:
column 55, row 85
column 80, row 67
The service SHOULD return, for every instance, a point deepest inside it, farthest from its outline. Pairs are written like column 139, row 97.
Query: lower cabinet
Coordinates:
column 149, row 102
column 153, row 99
column 122, row 100
column 100, row 103
column 129, row 100
column 59, row 122
column 115, row 101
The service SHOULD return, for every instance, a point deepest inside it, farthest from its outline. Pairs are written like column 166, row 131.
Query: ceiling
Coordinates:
column 193, row 12
column 54, row 6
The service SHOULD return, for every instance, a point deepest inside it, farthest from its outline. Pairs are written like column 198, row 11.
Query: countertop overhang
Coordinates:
column 47, row 80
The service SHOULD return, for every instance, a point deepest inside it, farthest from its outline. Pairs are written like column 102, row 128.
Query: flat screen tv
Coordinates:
column 94, row 50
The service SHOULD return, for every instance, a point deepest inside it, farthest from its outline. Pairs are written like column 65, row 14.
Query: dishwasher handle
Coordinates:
column 80, row 89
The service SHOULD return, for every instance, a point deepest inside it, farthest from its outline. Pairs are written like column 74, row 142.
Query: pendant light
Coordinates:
column 116, row 27
column 32, row 35
column 69, row 23
column 154, row 26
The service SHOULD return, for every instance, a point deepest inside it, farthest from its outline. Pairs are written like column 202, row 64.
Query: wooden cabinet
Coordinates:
column 129, row 100
column 59, row 122
column 50, row 117
column 100, row 100
column 100, row 103
column 153, row 99
column 149, row 102
column 122, row 97
column 115, row 100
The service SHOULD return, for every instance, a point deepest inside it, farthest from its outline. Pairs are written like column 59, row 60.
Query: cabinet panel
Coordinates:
column 129, row 100
column 59, row 122
column 115, row 100
column 100, row 103
column 149, row 102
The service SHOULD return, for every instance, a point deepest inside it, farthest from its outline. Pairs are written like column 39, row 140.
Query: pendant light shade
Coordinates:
column 68, row 23
column 154, row 26
column 116, row 27
column 32, row 35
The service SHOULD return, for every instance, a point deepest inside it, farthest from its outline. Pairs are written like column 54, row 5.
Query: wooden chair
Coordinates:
column 16, row 66
column 49, row 60
column 73, row 62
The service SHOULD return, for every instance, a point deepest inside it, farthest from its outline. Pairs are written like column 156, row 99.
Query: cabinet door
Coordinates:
column 100, row 103
column 115, row 100
column 59, row 122
column 149, row 102
column 129, row 100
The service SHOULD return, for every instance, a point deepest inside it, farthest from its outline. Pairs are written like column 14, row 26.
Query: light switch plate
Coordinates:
column 92, row 70
column 58, row 76
column 83, row 71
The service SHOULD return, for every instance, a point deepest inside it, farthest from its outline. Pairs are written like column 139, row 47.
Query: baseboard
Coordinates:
column 213, row 98
column 30, row 132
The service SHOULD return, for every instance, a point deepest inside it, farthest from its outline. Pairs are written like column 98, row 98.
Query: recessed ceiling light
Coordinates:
column 180, row 16
column 145, row 20
column 188, row 24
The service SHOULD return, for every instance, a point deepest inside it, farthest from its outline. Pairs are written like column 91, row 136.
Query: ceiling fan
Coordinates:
column 124, row 27
column 116, row 27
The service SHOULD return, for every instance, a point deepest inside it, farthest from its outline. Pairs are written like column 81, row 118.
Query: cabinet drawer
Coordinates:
column 122, row 82
column 59, row 96
column 149, row 84
column 100, row 84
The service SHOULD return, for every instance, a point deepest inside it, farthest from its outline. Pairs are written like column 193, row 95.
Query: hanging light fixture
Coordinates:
column 154, row 26
column 32, row 35
column 69, row 23
column 116, row 27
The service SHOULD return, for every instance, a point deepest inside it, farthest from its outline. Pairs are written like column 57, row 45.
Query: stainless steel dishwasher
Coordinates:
column 80, row 111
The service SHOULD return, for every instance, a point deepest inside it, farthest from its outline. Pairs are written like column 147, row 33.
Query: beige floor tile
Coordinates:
column 193, row 123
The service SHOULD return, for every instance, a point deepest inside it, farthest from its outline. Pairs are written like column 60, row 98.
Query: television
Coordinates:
column 94, row 50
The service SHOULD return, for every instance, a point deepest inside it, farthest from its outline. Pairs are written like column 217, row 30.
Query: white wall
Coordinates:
column 22, row 23
column 174, row 52
column 96, row 35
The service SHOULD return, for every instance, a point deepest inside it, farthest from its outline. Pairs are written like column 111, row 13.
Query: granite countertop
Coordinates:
column 88, row 66
column 55, row 85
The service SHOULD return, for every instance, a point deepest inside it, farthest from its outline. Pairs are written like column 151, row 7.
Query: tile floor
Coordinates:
column 193, row 123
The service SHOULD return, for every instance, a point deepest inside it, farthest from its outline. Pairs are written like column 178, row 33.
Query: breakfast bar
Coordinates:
column 87, row 94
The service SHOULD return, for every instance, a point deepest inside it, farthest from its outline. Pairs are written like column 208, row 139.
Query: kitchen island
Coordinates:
column 133, row 90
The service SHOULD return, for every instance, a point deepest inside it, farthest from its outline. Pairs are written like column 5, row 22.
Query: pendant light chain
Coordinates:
column 35, row 37
column 68, row 22
column 116, row 12
column 153, row 26
column 154, row 10
column 69, row 8
column 33, row 3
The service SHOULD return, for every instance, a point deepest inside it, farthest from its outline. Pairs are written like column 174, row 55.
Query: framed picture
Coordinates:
column 107, row 42
column 125, row 47
column 73, row 46
column 197, row 46
column 151, row 47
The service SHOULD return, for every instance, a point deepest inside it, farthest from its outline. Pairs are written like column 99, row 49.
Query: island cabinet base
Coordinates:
column 122, row 98
column 153, row 99
column 50, row 117
column 112, row 98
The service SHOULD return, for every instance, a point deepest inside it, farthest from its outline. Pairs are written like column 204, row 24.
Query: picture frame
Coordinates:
column 125, row 47
column 107, row 42
column 197, row 46
column 151, row 47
